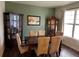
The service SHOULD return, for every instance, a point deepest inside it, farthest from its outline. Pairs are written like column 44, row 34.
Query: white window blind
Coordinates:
column 71, row 23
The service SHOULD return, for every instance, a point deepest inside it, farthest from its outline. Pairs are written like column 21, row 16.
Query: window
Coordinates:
column 71, row 23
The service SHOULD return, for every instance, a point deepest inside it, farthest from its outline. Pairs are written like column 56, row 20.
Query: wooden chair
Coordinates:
column 33, row 36
column 59, row 33
column 43, row 43
column 41, row 33
column 22, row 49
column 33, row 33
column 54, row 45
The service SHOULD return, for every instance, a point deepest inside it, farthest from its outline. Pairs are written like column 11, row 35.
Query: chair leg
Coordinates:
column 60, row 48
column 57, row 54
column 49, row 55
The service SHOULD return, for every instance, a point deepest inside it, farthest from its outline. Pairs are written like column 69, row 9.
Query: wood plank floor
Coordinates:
column 65, row 52
column 68, row 52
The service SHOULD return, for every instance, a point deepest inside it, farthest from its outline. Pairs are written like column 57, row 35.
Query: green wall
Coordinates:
column 30, row 10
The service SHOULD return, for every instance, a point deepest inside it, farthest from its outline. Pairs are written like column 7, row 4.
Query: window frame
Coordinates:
column 74, row 23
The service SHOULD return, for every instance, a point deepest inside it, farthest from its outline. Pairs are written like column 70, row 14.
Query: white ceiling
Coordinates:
column 45, row 3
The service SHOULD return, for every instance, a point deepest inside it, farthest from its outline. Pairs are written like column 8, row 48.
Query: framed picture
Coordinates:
column 33, row 20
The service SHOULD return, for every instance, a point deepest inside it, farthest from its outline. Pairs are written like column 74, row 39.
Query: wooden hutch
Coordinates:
column 12, row 23
column 51, row 26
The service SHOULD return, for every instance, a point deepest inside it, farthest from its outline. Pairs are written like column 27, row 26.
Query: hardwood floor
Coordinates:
column 65, row 52
column 14, row 52
column 68, row 52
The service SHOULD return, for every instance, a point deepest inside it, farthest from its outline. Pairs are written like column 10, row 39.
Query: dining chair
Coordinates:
column 43, row 43
column 41, row 33
column 32, row 37
column 59, row 34
column 33, row 33
column 55, row 45
column 22, row 49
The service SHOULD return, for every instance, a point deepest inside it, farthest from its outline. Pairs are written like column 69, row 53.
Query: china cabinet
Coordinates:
column 12, row 24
